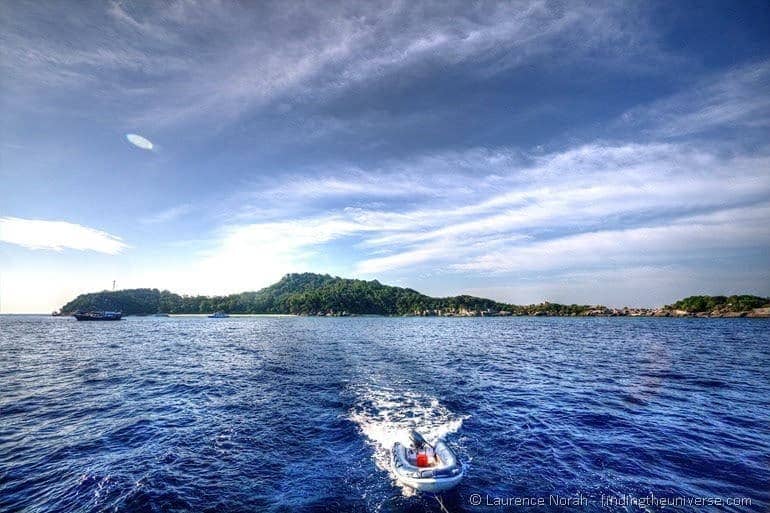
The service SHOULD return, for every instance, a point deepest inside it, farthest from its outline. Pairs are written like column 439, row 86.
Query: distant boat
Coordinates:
column 160, row 315
column 219, row 315
column 98, row 316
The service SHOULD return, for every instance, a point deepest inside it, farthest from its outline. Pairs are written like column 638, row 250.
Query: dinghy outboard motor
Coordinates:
column 418, row 441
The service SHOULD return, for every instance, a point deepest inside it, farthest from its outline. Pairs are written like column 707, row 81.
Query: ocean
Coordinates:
column 297, row 414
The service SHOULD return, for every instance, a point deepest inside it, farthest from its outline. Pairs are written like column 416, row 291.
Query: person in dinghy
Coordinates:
column 425, row 467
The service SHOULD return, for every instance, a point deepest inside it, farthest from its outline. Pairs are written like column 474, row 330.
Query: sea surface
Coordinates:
column 293, row 414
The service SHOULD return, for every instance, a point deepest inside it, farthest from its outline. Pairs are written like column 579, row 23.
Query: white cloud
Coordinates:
column 689, row 238
column 253, row 255
column 57, row 236
column 733, row 99
column 140, row 142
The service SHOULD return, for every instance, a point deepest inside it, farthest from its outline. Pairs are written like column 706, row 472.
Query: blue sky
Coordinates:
column 592, row 153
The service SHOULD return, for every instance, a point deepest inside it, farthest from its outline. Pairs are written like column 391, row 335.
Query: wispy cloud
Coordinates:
column 586, row 190
column 686, row 238
column 168, row 214
column 137, row 57
column 594, row 205
column 729, row 100
column 57, row 236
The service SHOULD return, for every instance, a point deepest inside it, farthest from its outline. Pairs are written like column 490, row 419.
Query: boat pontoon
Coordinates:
column 425, row 467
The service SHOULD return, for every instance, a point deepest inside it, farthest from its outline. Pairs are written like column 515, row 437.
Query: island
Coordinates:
column 325, row 295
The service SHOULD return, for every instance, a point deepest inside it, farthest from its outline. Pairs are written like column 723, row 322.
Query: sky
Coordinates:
column 596, row 153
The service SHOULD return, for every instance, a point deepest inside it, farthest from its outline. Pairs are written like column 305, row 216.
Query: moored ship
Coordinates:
column 98, row 316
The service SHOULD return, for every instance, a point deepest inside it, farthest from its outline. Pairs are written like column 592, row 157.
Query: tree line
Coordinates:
column 313, row 294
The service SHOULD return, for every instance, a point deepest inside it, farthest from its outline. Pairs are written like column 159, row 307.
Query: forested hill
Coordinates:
column 712, row 304
column 305, row 293
column 321, row 294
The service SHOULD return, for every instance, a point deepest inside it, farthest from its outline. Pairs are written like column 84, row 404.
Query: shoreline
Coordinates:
column 317, row 295
column 697, row 315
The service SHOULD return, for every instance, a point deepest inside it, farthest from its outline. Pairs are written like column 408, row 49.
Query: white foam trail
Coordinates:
column 385, row 416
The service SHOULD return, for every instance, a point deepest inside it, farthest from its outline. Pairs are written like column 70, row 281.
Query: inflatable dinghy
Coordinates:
column 425, row 467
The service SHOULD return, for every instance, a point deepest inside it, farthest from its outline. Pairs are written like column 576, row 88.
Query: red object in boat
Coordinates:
column 422, row 459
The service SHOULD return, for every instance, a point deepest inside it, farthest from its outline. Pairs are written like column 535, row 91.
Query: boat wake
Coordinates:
column 386, row 416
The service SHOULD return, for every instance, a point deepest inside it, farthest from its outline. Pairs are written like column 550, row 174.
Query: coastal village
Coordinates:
column 542, row 310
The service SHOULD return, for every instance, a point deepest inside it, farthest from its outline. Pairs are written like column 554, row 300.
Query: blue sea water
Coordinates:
column 292, row 414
